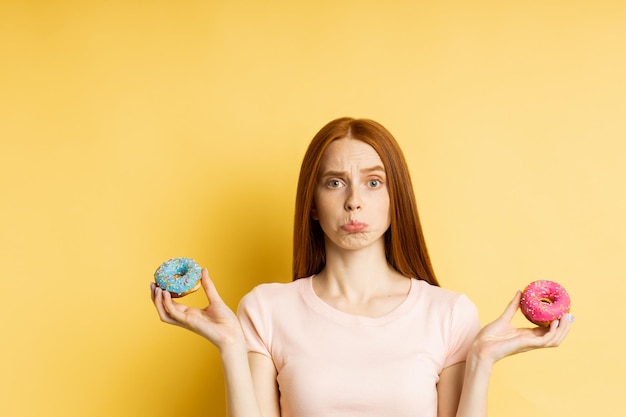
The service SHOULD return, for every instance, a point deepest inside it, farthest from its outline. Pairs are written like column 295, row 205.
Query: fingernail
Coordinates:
column 570, row 318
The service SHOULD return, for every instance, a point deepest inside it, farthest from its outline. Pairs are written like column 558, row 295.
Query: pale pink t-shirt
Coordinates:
column 334, row 364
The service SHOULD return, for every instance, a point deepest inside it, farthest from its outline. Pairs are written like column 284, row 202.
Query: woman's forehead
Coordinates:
column 347, row 153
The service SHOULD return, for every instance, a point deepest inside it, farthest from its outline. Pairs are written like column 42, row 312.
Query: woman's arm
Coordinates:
column 449, row 390
column 494, row 342
column 265, row 384
column 220, row 326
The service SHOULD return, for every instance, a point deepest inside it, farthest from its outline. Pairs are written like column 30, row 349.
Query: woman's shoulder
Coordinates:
column 441, row 296
column 448, row 307
column 273, row 292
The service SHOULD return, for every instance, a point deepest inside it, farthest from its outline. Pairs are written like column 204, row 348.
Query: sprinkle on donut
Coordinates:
column 179, row 276
column 544, row 301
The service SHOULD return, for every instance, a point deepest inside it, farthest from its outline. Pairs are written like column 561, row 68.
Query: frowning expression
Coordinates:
column 351, row 196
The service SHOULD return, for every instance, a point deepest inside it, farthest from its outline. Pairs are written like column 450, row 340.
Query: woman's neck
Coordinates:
column 359, row 276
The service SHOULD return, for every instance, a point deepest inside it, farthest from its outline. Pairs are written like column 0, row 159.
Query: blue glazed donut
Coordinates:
column 178, row 276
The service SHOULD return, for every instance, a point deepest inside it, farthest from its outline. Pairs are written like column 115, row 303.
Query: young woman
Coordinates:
column 364, row 328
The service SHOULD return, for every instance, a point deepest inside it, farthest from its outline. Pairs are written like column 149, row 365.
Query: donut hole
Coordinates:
column 545, row 300
column 180, row 272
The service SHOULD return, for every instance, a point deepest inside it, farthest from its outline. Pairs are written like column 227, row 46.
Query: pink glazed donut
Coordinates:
column 544, row 301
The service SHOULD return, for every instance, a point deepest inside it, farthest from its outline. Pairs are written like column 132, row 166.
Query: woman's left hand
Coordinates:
column 500, row 339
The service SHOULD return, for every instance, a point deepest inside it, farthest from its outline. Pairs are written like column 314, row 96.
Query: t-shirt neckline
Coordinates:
column 321, row 307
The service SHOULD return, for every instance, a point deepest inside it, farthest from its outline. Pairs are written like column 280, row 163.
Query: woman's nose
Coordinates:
column 353, row 202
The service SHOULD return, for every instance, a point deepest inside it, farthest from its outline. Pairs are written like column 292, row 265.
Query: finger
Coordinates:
column 209, row 288
column 158, row 303
column 175, row 310
column 563, row 329
column 152, row 291
column 557, row 331
column 551, row 337
column 510, row 310
column 168, row 303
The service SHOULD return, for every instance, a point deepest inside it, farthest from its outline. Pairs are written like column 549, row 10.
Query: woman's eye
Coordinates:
column 374, row 183
column 334, row 183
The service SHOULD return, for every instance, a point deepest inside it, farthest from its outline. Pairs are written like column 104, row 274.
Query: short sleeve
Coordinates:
column 464, row 326
column 254, row 323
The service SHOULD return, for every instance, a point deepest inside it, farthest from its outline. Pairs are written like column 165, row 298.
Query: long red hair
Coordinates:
column 405, row 247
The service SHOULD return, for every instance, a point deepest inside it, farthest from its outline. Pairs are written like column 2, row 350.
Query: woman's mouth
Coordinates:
column 354, row 226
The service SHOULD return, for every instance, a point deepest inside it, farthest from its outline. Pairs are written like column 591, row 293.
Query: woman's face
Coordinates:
column 351, row 200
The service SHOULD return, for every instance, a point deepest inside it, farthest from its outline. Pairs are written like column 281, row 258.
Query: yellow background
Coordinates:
column 135, row 131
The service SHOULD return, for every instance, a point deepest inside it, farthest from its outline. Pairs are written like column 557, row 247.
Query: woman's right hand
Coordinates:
column 216, row 322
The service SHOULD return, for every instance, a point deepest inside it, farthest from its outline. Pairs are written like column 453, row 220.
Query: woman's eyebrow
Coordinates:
column 374, row 169
column 333, row 173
